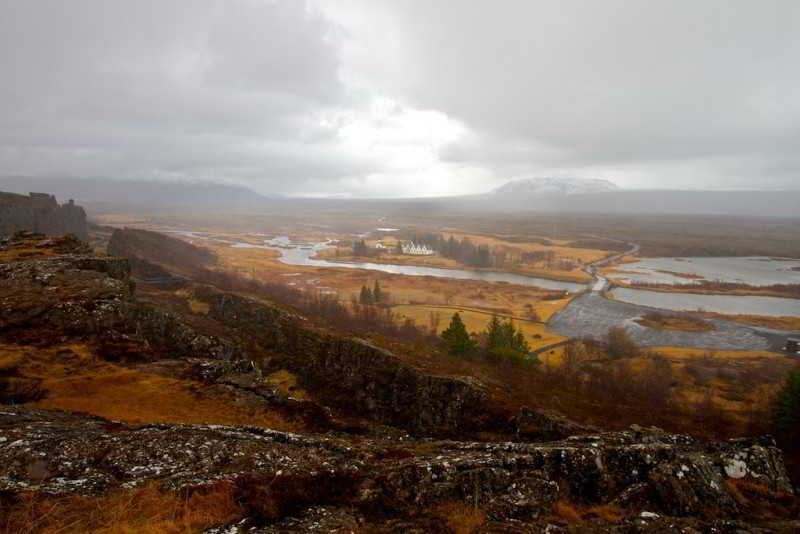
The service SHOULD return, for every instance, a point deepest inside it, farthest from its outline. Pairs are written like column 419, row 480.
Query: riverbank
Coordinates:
column 591, row 315
column 576, row 277
column 706, row 287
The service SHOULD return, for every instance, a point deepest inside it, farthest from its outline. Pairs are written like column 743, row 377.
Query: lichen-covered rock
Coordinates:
column 538, row 425
column 78, row 296
column 282, row 475
column 366, row 378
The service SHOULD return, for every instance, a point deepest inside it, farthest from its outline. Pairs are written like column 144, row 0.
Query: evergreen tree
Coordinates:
column 360, row 248
column 366, row 296
column 494, row 333
column 456, row 338
column 787, row 411
column 520, row 344
column 504, row 339
column 377, row 294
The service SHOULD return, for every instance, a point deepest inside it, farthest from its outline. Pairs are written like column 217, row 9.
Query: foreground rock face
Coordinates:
column 661, row 474
column 52, row 291
column 40, row 212
column 373, row 381
column 55, row 297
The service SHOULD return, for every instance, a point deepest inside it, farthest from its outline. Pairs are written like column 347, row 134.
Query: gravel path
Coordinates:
column 591, row 315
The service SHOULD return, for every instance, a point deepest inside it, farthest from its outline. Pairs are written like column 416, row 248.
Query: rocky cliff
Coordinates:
column 366, row 378
column 378, row 479
column 293, row 483
column 40, row 212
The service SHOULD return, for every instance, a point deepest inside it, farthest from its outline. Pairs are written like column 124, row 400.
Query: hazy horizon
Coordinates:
column 378, row 99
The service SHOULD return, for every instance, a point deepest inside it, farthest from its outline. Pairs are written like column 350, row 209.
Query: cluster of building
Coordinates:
column 417, row 250
column 411, row 248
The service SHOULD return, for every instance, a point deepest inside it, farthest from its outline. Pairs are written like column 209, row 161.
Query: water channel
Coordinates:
column 302, row 254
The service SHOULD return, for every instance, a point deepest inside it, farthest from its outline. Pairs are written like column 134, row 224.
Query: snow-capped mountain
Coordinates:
column 555, row 186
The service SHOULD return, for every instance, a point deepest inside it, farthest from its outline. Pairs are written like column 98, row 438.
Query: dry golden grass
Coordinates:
column 137, row 398
column 572, row 513
column 75, row 380
column 584, row 255
column 546, row 308
column 199, row 307
column 146, row 510
column 343, row 255
column 780, row 323
column 462, row 518
column 684, row 323
column 476, row 321
column 10, row 361
column 286, row 383
column 682, row 352
column 512, row 299
column 700, row 289
column 552, row 358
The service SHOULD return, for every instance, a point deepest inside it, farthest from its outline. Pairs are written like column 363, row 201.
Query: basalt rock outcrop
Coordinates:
column 40, row 212
column 651, row 475
column 49, row 296
column 389, row 479
column 367, row 378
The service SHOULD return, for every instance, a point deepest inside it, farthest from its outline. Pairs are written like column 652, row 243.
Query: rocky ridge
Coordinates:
column 389, row 480
column 40, row 212
column 648, row 472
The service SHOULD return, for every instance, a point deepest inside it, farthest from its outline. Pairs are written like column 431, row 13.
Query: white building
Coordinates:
column 414, row 249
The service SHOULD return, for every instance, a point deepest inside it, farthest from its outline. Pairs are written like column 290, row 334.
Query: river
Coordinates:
column 301, row 253
column 728, row 304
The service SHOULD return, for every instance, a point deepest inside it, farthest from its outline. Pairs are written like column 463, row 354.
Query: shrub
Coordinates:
column 456, row 338
column 620, row 344
column 787, row 411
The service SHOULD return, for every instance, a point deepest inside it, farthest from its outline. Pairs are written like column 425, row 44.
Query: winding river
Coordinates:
column 302, row 254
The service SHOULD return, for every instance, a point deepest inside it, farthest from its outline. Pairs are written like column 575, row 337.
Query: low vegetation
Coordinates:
column 718, row 287
column 146, row 510
column 683, row 322
column 787, row 412
column 71, row 377
column 779, row 323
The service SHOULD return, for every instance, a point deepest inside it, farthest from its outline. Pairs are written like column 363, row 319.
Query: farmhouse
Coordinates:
column 414, row 249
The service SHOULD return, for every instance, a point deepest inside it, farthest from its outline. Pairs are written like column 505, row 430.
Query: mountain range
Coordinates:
column 555, row 186
column 536, row 195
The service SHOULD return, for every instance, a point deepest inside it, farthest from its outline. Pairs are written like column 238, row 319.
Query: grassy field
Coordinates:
column 684, row 323
column 684, row 353
column 583, row 255
column 575, row 275
column 346, row 283
column 75, row 380
column 475, row 321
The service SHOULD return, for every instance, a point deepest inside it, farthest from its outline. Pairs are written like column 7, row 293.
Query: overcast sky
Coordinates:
column 403, row 97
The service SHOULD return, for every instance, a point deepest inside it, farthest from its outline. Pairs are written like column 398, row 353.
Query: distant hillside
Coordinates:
column 555, row 186
column 631, row 201
column 139, row 194
column 149, row 252
column 39, row 212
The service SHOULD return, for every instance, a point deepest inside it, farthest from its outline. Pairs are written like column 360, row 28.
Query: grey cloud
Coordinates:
column 260, row 91
column 607, row 83
column 194, row 89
